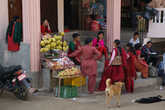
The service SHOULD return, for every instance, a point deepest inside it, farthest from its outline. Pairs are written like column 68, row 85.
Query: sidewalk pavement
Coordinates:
column 89, row 102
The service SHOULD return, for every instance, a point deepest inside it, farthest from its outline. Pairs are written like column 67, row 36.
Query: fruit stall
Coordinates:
column 65, row 77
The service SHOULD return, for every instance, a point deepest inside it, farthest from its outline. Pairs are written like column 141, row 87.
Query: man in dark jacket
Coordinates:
column 149, row 54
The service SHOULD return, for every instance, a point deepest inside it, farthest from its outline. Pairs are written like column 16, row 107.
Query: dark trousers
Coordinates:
column 152, row 59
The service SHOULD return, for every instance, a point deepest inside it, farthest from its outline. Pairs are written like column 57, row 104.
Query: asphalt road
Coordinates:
column 88, row 102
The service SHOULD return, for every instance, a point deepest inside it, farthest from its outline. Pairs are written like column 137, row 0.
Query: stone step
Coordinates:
column 141, row 83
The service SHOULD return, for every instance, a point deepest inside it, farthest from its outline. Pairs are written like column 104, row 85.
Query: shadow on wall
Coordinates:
column 22, row 57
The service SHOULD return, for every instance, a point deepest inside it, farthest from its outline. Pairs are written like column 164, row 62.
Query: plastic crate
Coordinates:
column 78, row 82
column 67, row 91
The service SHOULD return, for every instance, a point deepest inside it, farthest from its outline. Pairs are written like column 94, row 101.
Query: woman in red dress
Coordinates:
column 116, row 73
column 131, row 70
column 45, row 27
column 140, row 63
column 88, row 58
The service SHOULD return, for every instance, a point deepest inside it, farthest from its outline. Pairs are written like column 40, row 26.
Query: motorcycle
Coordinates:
column 14, row 80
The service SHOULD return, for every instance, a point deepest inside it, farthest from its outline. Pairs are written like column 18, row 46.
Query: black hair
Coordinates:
column 149, row 42
column 75, row 35
column 101, row 32
column 135, row 33
column 117, row 42
column 93, row 17
column 138, row 46
column 88, row 40
column 131, row 49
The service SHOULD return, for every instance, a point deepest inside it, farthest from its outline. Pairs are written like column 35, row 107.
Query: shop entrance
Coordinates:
column 130, row 9
column 72, row 14
column 49, row 12
column 79, row 14
column 15, row 9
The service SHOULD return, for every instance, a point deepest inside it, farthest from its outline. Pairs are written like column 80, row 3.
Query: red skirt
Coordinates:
column 115, row 73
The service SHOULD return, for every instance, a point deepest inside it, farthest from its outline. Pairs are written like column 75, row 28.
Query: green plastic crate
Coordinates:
column 67, row 91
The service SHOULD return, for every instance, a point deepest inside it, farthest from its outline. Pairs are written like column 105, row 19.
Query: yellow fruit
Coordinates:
column 58, row 42
column 60, row 48
column 55, row 36
column 48, row 46
column 53, row 39
column 42, row 50
column 59, row 37
column 65, row 43
column 65, row 48
column 62, row 33
column 47, row 49
column 42, row 43
column 53, row 45
column 46, row 41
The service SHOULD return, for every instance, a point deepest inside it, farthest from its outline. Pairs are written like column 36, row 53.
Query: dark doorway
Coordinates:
column 15, row 9
column 49, row 12
column 71, row 14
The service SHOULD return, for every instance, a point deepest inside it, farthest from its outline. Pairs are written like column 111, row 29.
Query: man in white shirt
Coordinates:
column 135, row 40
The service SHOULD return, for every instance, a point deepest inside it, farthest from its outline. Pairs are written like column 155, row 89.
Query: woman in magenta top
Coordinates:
column 98, row 42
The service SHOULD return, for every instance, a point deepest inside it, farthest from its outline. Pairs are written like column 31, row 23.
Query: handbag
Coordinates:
column 117, row 60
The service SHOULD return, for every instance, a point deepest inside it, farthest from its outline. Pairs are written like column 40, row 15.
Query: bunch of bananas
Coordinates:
column 55, row 42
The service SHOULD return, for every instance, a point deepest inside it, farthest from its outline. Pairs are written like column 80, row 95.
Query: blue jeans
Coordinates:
column 26, row 83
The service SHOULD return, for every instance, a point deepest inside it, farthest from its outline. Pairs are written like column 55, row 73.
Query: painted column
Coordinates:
column 3, row 18
column 31, row 30
column 60, row 14
column 113, row 21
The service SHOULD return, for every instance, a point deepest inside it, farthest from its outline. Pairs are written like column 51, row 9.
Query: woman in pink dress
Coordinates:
column 116, row 73
column 88, row 57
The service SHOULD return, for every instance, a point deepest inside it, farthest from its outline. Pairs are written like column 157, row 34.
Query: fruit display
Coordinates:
column 69, row 72
column 55, row 42
column 62, row 63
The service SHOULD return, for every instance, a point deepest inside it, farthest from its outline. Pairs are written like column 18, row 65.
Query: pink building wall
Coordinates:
column 31, row 30
column 3, row 18
column 113, row 21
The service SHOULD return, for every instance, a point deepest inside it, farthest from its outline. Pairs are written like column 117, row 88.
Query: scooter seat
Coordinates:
column 10, row 69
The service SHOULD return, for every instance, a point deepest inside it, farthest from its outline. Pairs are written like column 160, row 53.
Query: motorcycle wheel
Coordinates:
column 1, row 92
column 22, row 92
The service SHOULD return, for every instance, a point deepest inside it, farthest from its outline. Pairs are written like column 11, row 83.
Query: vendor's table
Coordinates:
column 53, row 75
